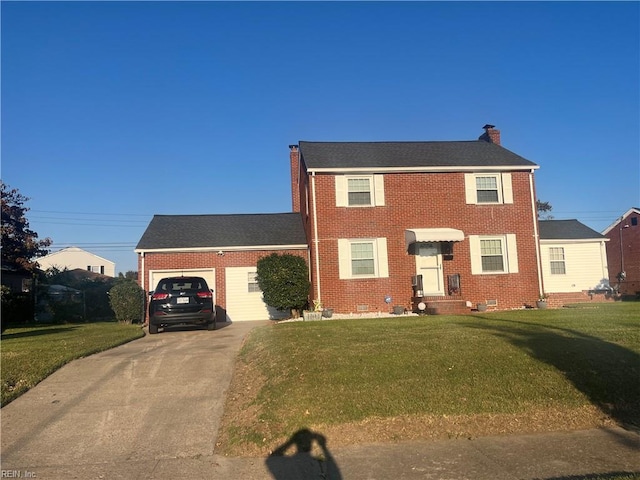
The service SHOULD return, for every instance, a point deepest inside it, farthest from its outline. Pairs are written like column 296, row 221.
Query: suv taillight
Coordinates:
column 159, row 296
column 205, row 295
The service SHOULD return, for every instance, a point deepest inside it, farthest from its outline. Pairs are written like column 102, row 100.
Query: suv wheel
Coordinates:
column 153, row 328
column 211, row 326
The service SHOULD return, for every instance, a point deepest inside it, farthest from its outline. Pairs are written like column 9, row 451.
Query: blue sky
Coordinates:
column 115, row 111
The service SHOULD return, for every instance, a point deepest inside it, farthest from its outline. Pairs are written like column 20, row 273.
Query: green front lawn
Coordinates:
column 31, row 353
column 503, row 363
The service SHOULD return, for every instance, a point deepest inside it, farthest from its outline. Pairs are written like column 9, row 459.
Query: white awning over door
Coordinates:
column 413, row 235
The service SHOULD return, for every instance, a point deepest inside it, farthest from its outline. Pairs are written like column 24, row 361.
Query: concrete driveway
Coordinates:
column 121, row 412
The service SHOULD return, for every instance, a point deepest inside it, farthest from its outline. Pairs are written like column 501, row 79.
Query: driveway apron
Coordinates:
column 158, row 397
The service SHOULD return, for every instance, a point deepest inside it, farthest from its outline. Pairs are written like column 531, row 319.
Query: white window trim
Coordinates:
column 251, row 275
column 380, row 258
column 552, row 261
column 504, row 186
column 376, row 184
column 509, row 253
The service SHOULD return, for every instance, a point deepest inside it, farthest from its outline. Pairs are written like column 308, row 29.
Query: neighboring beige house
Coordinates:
column 574, row 260
column 74, row 257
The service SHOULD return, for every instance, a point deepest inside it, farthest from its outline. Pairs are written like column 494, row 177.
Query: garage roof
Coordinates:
column 169, row 232
column 567, row 230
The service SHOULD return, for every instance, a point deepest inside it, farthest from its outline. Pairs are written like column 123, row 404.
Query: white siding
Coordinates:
column 585, row 266
column 243, row 305
column 74, row 257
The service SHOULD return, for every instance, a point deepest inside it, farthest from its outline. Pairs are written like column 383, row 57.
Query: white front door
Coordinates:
column 429, row 265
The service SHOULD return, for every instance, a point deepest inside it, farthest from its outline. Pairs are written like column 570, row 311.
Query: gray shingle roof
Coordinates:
column 566, row 230
column 475, row 153
column 218, row 231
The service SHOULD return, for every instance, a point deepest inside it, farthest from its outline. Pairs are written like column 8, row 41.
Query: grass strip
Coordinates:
column 503, row 363
column 31, row 353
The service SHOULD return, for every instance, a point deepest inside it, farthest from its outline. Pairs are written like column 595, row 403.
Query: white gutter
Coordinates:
column 493, row 168
column 225, row 249
column 534, row 212
column 315, row 235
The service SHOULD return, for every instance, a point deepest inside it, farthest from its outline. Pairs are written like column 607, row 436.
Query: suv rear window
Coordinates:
column 170, row 285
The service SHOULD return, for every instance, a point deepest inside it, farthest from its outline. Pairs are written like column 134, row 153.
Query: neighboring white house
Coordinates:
column 74, row 257
column 574, row 257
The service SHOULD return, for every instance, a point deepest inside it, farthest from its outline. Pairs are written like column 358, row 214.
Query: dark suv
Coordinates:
column 181, row 300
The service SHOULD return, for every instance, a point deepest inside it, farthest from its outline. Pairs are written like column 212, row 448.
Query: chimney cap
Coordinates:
column 293, row 146
column 488, row 127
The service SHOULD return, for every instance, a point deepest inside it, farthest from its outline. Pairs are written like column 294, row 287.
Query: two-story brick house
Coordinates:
column 379, row 216
column 623, row 252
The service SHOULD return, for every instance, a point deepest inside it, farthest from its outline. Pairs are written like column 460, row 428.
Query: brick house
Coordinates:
column 224, row 249
column 623, row 252
column 444, row 224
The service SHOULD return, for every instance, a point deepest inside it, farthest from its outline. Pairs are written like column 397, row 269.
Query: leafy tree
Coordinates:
column 20, row 244
column 127, row 301
column 130, row 275
column 544, row 210
column 284, row 281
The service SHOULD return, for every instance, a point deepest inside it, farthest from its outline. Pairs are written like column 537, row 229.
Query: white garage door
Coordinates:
column 209, row 274
column 244, row 297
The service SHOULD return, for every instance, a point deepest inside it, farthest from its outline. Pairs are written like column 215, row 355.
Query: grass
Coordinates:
column 31, row 353
column 341, row 371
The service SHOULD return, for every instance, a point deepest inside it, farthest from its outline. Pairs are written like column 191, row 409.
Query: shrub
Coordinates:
column 16, row 307
column 284, row 281
column 127, row 302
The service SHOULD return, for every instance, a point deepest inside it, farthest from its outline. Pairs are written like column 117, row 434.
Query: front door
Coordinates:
column 429, row 265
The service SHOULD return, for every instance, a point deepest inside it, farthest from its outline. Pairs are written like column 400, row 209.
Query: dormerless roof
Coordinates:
column 168, row 232
column 566, row 230
column 389, row 155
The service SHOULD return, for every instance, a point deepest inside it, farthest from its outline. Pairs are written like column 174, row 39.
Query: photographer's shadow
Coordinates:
column 309, row 460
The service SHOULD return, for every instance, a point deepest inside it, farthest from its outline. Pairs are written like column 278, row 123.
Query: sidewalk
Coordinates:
column 579, row 455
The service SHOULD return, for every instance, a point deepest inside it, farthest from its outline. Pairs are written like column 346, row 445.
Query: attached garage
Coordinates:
column 244, row 297
column 223, row 249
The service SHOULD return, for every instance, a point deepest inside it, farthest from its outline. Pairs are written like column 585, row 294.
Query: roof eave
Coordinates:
column 437, row 169
column 221, row 248
column 574, row 240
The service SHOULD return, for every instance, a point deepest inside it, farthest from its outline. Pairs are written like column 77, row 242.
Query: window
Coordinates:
column 488, row 188
column 363, row 258
column 491, row 255
column 495, row 254
column 252, row 282
column 634, row 221
column 556, row 259
column 359, row 191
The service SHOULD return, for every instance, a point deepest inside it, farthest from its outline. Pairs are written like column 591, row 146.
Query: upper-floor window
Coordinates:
column 488, row 188
column 556, row 260
column 359, row 190
column 493, row 254
column 363, row 258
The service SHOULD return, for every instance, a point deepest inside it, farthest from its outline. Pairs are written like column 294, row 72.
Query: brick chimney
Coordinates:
column 490, row 134
column 294, row 158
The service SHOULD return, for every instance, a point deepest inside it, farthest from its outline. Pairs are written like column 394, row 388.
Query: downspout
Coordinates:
column 603, row 261
column 315, row 235
column 142, row 268
column 535, row 233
